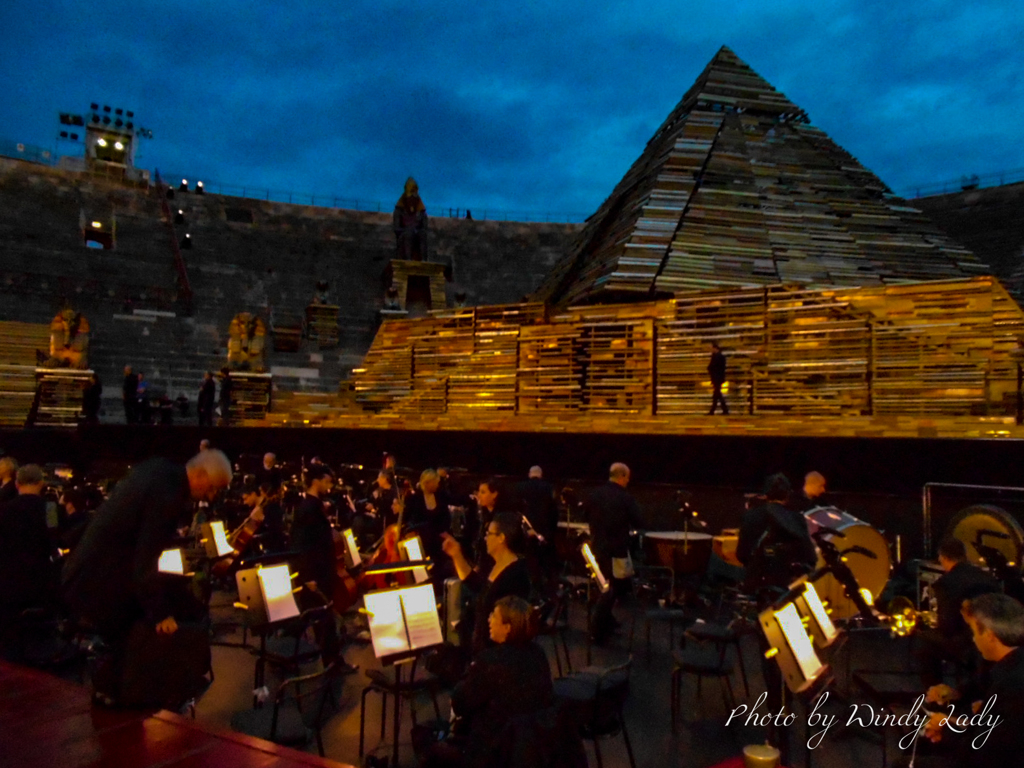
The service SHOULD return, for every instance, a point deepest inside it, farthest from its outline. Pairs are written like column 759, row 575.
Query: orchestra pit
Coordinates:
column 725, row 476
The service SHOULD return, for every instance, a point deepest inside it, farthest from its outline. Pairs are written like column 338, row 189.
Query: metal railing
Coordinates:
column 358, row 204
column 27, row 152
column 965, row 184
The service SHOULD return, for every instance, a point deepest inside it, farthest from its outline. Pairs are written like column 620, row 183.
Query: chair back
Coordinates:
column 311, row 694
column 610, row 694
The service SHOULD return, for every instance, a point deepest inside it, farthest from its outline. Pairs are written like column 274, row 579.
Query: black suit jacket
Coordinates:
column 1005, row 744
column 26, row 571
column 537, row 497
column 313, row 539
column 111, row 579
column 612, row 513
column 961, row 583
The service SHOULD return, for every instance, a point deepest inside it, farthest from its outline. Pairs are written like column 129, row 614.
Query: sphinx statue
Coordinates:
column 246, row 343
column 410, row 224
column 69, row 341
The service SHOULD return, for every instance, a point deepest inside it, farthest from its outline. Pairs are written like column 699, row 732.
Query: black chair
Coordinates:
column 598, row 696
column 299, row 711
column 701, row 659
column 288, row 648
column 554, row 621
column 724, row 635
column 407, row 689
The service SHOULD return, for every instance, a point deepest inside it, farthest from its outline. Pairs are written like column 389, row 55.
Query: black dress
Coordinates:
column 513, row 580
column 428, row 523
column 503, row 682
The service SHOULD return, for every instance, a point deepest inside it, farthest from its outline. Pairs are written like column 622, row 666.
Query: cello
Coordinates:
column 240, row 538
column 387, row 549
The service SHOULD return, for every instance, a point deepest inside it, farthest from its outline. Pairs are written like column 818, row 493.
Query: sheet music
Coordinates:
column 414, row 551
column 353, row 550
column 387, row 625
column 276, row 583
column 421, row 619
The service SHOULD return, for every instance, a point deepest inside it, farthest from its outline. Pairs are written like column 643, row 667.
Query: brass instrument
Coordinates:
column 903, row 618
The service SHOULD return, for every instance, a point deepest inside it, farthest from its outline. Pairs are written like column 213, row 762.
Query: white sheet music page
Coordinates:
column 421, row 616
column 387, row 627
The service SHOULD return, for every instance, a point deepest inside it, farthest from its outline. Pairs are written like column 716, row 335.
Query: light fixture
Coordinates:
column 184, row 186
column 179, row 217
column 118, row 145
column 97, row 225
column 186, row 242
column 101, row 141
column 199, row 188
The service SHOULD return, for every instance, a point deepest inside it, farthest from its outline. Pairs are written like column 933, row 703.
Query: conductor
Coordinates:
column 111, row 580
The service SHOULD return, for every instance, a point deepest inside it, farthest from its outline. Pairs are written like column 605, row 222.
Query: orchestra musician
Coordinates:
column 997, row 631
column 427, row 514
column 612, row 513
column 774, row 543
column 312, row 537
column 270, row 472
column 811, row 495
column 489, row 501
column 112, row 581
column 951, row 639
column 504, row 539
column 8, row 470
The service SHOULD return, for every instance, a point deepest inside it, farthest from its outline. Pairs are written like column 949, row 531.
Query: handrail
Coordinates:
column 965, row 184
column 179, row 261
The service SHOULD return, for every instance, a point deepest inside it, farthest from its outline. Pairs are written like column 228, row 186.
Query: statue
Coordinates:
column 410, row 222
column 247, row 336
column 69, row 341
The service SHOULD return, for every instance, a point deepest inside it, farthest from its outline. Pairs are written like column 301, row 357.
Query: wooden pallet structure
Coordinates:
column 19, row 344
column 926, row 349
column 737, row 189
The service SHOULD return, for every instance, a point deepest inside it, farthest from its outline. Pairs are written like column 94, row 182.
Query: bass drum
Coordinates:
column 872, row 573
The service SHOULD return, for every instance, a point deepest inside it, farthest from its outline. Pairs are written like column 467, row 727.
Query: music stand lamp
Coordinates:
column 811, row 609
column 215, row 539
column 352, row 557
column 172, row 563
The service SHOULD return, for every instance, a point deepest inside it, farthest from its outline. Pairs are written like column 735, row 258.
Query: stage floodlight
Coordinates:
column 595, row 569
column 186, row 242
column 118, row 111
column 179, row 217
column 97, row 225
column 101, row 141
column 810, row 607
column 791, row 647
column 413, row 549
column 171, row 561
column 183, row 187
column 199, row 188
column 94, row 107
column 118, row 145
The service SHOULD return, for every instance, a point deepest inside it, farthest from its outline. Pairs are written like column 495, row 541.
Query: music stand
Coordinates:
column 403, row 624
column 267, row 595
column 215, row 540
column 412, row 547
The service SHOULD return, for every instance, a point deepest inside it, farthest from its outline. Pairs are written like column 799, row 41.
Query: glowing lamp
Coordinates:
column 101, row 142
column 184, row 186
column 118, row 145
column 868, row 597
column 97, row 224
column 595, row 569
column 171, row 561
column 199, row 188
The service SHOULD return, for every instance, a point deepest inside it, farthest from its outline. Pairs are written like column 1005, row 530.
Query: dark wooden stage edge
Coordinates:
column 46, row 721
column 883, row 465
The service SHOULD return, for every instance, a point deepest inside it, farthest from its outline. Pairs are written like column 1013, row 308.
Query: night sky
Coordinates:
column 537, row 107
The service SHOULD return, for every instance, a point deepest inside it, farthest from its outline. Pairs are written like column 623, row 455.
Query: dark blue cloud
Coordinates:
column 534, row 106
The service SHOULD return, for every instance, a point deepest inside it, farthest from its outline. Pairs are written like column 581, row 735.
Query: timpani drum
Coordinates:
column 685, row 552
column 872, row 573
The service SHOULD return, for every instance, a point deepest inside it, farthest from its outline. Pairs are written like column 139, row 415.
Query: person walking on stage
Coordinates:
column 716, row 370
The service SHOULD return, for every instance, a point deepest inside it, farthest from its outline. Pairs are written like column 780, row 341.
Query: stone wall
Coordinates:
column 247, row 255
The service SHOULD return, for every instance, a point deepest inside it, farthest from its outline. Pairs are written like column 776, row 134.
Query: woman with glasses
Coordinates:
column 504, row 540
